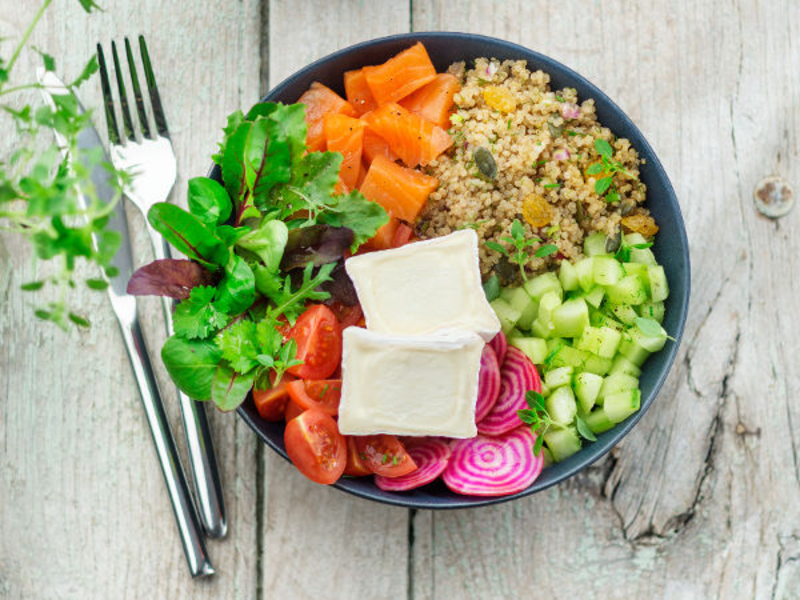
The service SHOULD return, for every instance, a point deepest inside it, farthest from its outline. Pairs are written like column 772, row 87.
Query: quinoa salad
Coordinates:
column 525, row 152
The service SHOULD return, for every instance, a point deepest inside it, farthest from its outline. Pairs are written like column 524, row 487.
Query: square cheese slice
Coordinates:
column 409, row 385
column 424, row 287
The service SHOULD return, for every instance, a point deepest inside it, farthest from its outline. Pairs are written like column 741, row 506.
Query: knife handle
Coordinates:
column 185, row 515
column 203, row 460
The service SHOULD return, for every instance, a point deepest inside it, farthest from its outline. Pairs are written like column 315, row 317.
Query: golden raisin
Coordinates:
column 640, row 224
column 536, row 210
column 499, row 98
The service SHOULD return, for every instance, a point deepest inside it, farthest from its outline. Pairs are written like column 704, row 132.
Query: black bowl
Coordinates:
column 671, row 247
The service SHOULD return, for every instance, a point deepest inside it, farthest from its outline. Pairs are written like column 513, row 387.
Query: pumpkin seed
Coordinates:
column 555, row 131
column 580, row 213
column 613, row 242
column 626, row 206
column 485, row 162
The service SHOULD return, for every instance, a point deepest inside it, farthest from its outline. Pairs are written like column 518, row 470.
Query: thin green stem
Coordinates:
column 18, row 88
column 27, row 35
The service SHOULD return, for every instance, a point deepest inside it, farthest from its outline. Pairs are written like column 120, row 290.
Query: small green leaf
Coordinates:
column 492, row 288
column 595, row 169
column 612, row 197
column 603, row 148
column 537, row 446
column 496, row 247
column 546, row 250
column 601, row 185
column 97, row 284
column 111, row 271
column 229, row 388
column 208, row 201
column 236, row 291
column 584, row 430
column 517, row 231
column 32, row 286
column 649, row 327
column 89, row 69
column 79, row 320
column 188, row 234
column 191, row 364
column 89, row 5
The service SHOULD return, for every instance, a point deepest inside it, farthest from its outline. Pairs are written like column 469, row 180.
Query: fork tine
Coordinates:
column 137, row 92
column 108, row 100
column 155, row 99
column 123, row 96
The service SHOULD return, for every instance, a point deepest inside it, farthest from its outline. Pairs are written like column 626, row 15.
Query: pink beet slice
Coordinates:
column 429, row 454
column 488, row 383
column 517, row 376
column 493, row 466
column 499, row 344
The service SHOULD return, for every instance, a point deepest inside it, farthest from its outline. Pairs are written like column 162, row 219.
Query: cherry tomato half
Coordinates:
column 322, row 394
column 292, row 410
column 316, row 447
column 385, row 455
column 319, row 343
column 355, row 466
column 271, row 403
column 347, row 315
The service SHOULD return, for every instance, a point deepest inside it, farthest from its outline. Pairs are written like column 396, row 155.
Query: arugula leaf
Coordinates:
column 197, row 316
column 191, row 365
column 237, row 289
column 357, row 213
column 239, row 345
column 189, row 236
column 208, row 201
column 291, row 303
column 313, row 179
column 229, row 388
column 267, row 242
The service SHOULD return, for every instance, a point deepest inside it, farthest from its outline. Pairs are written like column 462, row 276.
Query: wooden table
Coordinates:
column 701, row 500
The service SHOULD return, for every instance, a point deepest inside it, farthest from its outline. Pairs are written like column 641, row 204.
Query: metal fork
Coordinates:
column 151, row 159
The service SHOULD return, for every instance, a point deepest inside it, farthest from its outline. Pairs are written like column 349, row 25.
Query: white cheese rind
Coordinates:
column 424, row 287
column 407, row 385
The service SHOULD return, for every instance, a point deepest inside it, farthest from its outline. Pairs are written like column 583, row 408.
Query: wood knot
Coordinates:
column 774, row 197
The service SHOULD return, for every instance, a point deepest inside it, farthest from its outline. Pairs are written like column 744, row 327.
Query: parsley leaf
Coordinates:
column 197, row 317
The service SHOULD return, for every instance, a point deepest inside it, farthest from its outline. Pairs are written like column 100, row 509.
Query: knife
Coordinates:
column 124, row 306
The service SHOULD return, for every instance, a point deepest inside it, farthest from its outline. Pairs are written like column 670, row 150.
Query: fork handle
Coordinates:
column 185, row 515
column 203, row 460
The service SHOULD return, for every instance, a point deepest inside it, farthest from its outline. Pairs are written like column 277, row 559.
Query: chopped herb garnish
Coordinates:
column 559, row 98
column 385, row 459
column 552, row 186
column 395, row 460
column 508, row 124
column 519, row 242
column 607, row 167
column 537, row 417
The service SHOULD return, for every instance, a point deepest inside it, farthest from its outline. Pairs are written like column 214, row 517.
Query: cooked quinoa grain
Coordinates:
column 542, row 143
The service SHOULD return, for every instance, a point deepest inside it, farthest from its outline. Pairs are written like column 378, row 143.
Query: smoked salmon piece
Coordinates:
column 401, row 191
column 346, row 135
column 375, row 145
column 399, row 76
column 384, row 237
column 434, row 101
column 358, row 92
column 320, row 101
column 415, row 140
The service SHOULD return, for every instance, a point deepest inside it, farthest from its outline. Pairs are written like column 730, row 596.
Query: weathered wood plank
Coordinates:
column 688, row 504
column 83, row 509
column 359, row 548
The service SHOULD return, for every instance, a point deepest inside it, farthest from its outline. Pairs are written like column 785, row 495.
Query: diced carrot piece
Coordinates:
column 320, row 101
column 358, row 92
column 401, row 191
column 415, row 140
column 399, row 76
column 346, row 135
column 375, row 145
column 434, row 101
column 384, row 237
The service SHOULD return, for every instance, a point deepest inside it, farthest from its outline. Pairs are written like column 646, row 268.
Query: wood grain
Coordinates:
column 699, row 500
column 83, row 509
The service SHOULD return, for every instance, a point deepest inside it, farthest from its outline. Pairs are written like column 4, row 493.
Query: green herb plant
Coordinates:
column 48, row 202
column 608, row 167
column 519, row 254
column 537, row 417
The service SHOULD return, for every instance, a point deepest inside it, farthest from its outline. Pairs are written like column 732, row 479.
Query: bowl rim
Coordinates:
column 679, row 304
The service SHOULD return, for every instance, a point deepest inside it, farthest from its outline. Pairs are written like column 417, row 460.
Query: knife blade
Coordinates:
column 124, row 307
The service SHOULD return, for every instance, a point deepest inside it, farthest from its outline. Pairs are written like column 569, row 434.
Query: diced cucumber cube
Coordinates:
column 542, row 284
column 651, row 343
column 540, row 329
column 596, row 364
column 644, row 256
column 603, row 341
column 547, row 305
column 545, row 390
column 533, row 348
column 659, row 288
column 614, row 384
column 566, row 356
column 517, row 297
column 507, row 314
column 624, row 312
column 598, row 421
column 557, row 377
column 568, row 276
column 562, row 442
column 607, row 270
column 600, row 319
column 634, row 239
column 507, row 293
column 632, row 268
column 585, row 270
column 570, row 318
column 622, row 405
column 528, row 315
column 595, row 296
column 514, row 333
column 587, row 387
column 628, row 290
column 623, row 365
column 652, row 310
column 556, row 342
column 561, row 405
column 633, row 351
column 547, row 456
column 594, row 244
